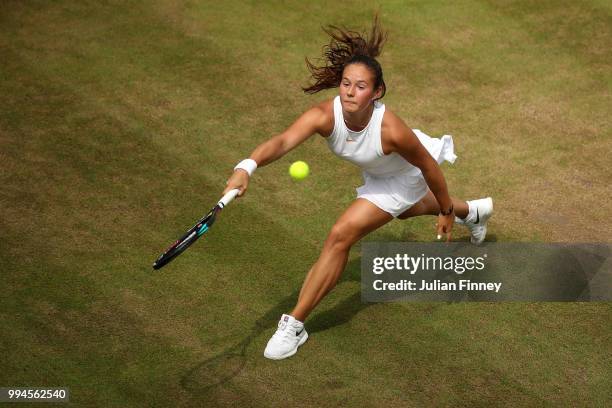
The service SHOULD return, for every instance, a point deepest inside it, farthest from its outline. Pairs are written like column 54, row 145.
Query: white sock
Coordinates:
column 293, row 320
column 471, row 217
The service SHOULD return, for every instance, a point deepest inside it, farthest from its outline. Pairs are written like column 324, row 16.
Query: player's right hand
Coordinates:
column 239, row 180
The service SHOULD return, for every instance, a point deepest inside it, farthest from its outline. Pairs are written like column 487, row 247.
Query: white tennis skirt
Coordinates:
column 396, row 193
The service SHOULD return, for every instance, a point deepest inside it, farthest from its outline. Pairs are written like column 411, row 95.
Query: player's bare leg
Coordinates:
column 361, row 218
column 357, row 221
column 473, row 214
column 429, row 206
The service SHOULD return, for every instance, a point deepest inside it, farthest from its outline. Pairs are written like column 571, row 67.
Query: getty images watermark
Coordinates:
column 492, row 272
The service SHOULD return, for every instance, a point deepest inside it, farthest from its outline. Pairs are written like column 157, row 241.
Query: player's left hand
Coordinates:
column 445, row 225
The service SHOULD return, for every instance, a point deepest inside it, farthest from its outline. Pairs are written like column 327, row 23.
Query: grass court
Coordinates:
column 121, row 120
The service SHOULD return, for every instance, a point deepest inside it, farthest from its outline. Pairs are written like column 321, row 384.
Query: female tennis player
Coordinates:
column 402, row 178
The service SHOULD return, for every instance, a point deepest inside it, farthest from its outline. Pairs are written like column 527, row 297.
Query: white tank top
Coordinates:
column 364, row 148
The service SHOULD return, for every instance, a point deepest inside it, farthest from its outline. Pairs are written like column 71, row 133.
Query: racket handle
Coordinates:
column 228, row 197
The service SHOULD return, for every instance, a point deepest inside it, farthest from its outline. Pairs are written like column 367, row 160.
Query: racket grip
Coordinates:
column 228, row 197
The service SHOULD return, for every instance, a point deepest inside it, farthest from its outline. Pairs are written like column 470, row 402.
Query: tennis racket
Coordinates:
column 194, row 232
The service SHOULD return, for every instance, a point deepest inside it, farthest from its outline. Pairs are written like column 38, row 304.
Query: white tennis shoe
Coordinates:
column 476, row 221
column 290, row 335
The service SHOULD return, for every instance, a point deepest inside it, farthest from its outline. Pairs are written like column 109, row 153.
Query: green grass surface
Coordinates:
column 120, row 122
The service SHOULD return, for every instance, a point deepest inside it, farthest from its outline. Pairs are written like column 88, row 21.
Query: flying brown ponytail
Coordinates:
column 347, row 47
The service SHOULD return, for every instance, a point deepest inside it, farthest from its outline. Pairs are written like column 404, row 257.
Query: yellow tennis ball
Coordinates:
column 299, row 170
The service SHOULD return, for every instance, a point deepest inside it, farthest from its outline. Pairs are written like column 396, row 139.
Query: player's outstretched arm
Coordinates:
column 309, row 123
column 279, row 145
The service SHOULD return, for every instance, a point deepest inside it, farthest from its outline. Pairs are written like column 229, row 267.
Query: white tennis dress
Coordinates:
column 390, row 182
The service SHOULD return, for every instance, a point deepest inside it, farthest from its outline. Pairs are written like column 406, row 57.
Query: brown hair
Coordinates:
column 347, row 47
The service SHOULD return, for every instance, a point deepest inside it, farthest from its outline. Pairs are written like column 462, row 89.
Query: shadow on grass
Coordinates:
column 221, row 368
column 218, row 370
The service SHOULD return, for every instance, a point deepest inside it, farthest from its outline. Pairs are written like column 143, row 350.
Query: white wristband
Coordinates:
column 248, row 165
